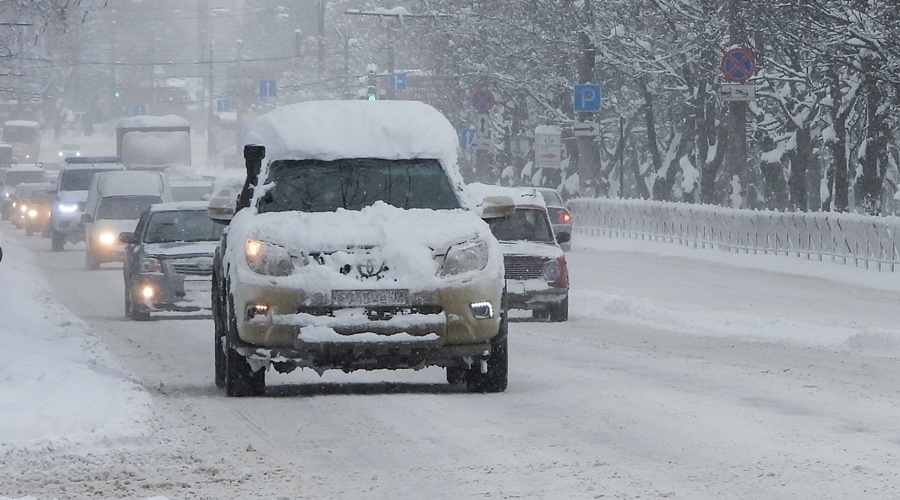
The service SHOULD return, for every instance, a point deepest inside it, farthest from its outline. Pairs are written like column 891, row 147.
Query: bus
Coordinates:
column 25, row 138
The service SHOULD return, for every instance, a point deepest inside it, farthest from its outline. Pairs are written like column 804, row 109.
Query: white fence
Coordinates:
column 864, row 241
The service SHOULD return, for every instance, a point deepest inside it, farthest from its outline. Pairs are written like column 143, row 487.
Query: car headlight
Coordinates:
column 464, row 257
column 106, row 238
column 32, row 213
column 23, row 208
column 266, row 258
column 150, row 265
column 6, row 195
column 67, row 208
column 551, row 270
column 61, row 154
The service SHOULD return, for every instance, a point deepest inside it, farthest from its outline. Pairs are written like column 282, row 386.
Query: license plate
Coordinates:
column 362, row 298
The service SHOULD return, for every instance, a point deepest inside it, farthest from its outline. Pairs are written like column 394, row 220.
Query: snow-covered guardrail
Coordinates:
column 862, row 240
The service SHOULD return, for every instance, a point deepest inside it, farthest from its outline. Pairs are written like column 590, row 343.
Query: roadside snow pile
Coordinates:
column 740, row 326
column 58, row 387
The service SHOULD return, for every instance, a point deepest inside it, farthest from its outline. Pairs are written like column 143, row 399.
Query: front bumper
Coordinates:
column 302, row 324
column 69, row 225
column 533, row 294
column 171, row 292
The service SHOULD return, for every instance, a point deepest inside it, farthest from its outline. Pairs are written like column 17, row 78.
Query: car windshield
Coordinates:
column 551, row 198
column 181, row 226
column 523, row 225
column 16, row 177
column 124, row 207
column 325, row 186
column 191, row 193
column 78, row 179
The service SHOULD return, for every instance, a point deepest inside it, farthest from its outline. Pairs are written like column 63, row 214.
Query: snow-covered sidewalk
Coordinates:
column 58, row 386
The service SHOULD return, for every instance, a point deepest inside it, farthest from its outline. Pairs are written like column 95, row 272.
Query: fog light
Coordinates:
column 147, row 292
column 482, row 310
column 107, row 238
column 256, row 309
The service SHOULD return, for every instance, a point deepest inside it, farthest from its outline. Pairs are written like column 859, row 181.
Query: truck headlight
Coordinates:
column 107, row 238
column 32, row 213
column 150, row 265
column 464, row 257
column 551, row 270
column 67, row 208
column 266, row 258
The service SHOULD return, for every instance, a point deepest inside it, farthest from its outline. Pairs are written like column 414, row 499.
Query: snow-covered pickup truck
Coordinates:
column 353, row 247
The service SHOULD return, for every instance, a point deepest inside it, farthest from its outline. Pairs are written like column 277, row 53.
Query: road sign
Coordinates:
column 398, row 81
column 547, row 146
column 586, row 129
column 268, row 88
column 483, row 142
column 737, row 92
column 223, row 105
column 482, row 100
column 467, row 138
column 139, row 110
column 738, row 65
column 587, row 98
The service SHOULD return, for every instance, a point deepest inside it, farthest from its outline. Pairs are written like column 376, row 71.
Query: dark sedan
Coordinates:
column 168, row 259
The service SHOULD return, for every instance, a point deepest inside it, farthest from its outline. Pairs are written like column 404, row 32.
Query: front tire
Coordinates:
column 560, row 312
column 219, row 334
column 57, row 241
column 497, row 376
column 240, row 379
column 89, row 260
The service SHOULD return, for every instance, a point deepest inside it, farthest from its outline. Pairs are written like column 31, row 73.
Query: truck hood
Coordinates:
column 409, row 245
column 177, row 249
column 72, row 196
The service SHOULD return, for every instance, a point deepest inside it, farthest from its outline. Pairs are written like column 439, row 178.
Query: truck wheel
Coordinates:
column 89, row 260
column 57, row 241
column 219, row 335
column 560, row 312
column 240, row 379
column 497, row 376
column 138, row 315
column 456, row 375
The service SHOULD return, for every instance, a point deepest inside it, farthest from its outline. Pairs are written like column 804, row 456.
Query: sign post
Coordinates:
column 738, row 65
column 547, row 147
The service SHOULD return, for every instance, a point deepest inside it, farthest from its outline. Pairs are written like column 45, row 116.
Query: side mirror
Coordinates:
column 127, row 238
column 221, row 209
column 494, row 207
column 87, row 218
column 563, row 237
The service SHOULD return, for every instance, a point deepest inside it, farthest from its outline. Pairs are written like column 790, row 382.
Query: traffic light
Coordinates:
column 371, row 83
column 116, row 89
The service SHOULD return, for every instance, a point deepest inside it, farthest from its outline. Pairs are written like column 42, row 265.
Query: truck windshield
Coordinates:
column 325, row 186
column 78, row 179
column 124, row 207
column 181, row 226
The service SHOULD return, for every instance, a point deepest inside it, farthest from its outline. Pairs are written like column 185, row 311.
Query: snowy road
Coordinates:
column 679, row 374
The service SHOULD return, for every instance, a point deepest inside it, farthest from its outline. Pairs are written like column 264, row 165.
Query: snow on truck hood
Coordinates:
column 181, row 248
column 407, row 240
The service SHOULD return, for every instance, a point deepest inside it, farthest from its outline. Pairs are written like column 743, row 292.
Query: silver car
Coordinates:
column 168, row 259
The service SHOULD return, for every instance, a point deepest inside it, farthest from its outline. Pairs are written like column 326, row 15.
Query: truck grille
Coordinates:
column 523, row 268
column 192, row 269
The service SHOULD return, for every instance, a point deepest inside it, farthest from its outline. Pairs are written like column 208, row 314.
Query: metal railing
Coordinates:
column 865, row 241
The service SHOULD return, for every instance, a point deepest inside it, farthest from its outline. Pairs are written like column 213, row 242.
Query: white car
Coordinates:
column 353, row 247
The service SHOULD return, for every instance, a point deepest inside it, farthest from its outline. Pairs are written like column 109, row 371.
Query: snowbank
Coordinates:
column 58, row 387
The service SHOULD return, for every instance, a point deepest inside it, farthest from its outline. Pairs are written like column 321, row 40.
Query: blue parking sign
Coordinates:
column 587, row 98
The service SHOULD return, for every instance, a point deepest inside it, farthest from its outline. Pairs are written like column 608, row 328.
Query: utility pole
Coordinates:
column 736, row 156
column 210, row 116
column 587, row 147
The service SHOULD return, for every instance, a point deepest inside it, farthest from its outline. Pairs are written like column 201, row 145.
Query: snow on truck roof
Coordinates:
column 330, row 130
column 22, row 123
column 521, row 196
column 128, row 183
column 147, row 121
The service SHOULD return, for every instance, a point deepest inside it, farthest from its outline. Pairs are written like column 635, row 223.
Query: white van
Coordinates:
column 114, row 204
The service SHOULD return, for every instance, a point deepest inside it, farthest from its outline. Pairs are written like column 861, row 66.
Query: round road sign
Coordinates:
column 738, row 65
column 482, row 100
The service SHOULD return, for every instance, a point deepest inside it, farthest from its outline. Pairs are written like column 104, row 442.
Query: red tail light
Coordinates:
column 565, row 217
